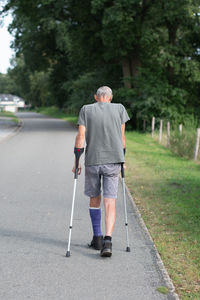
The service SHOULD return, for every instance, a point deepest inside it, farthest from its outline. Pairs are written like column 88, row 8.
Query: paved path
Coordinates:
column 36, row 187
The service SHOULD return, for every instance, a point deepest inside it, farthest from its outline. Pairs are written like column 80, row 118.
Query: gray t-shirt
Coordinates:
column 103, row 122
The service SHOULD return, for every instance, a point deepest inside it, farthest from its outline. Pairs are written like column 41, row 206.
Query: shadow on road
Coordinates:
column 34, row 238
column 31, row 237
column 36, row 122
column 31, row 115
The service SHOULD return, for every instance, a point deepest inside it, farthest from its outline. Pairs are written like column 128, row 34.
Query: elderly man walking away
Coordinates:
column 102, row 125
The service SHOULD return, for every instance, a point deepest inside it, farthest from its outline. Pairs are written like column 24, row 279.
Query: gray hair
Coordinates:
column 104, row 91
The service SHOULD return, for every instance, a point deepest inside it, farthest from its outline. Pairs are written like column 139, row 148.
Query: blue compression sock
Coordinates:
column 95, row 215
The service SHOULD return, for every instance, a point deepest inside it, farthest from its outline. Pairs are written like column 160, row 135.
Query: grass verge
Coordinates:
column 166, row 189
column 10, row 115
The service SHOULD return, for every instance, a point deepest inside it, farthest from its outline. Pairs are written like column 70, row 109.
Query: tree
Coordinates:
column 7, row 85
column 146, row 50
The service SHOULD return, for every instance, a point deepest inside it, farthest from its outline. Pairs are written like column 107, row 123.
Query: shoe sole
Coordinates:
column 106, row 253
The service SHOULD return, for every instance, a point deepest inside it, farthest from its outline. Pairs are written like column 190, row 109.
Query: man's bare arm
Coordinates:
column 79, row 143
column 80, row 138
column 123, row 135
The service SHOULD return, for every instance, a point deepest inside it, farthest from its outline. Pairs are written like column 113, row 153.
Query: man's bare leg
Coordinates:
column 95, row 201
column 110, row 215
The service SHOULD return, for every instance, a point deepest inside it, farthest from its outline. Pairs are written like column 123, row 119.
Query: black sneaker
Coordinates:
column 107, row 249
column 96, row 243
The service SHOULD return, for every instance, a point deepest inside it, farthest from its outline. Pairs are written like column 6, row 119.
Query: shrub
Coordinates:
column 183, row 144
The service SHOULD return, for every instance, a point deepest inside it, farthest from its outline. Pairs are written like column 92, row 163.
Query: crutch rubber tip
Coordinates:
column 128, row 249
column 68, row 254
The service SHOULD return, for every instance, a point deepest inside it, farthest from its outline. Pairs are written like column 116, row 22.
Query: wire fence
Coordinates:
column 181, row 140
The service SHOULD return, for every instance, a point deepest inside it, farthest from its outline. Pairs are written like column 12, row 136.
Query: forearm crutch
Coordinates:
column 125, row 208
column 77, row 152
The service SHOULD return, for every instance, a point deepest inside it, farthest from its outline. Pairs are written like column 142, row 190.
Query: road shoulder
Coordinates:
column 9, row 128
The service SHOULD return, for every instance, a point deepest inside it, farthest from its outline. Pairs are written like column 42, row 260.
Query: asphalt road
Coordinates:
column 36, row 185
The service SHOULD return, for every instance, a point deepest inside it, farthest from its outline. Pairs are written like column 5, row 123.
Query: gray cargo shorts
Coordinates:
column 110, row 177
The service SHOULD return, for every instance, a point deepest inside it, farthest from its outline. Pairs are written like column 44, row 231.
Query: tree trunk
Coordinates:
column 135, row 64
column 130, row 67
column 126, row 72
column 172, row 31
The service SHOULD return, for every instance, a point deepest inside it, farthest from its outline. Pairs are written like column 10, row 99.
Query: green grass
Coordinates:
column 9, row 115
column 163, row 290
column 6, row 114
column 54, row 112
column 166, row 189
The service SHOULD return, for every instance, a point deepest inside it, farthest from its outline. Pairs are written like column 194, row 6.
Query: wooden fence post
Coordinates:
column 153, row 126
column 180, row 128
column 160, row 134
column 168, row 133
column 196, row 150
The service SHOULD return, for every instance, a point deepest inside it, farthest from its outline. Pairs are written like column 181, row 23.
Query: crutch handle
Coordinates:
column 77, row 152
column 122, row 170
column 122, row 165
